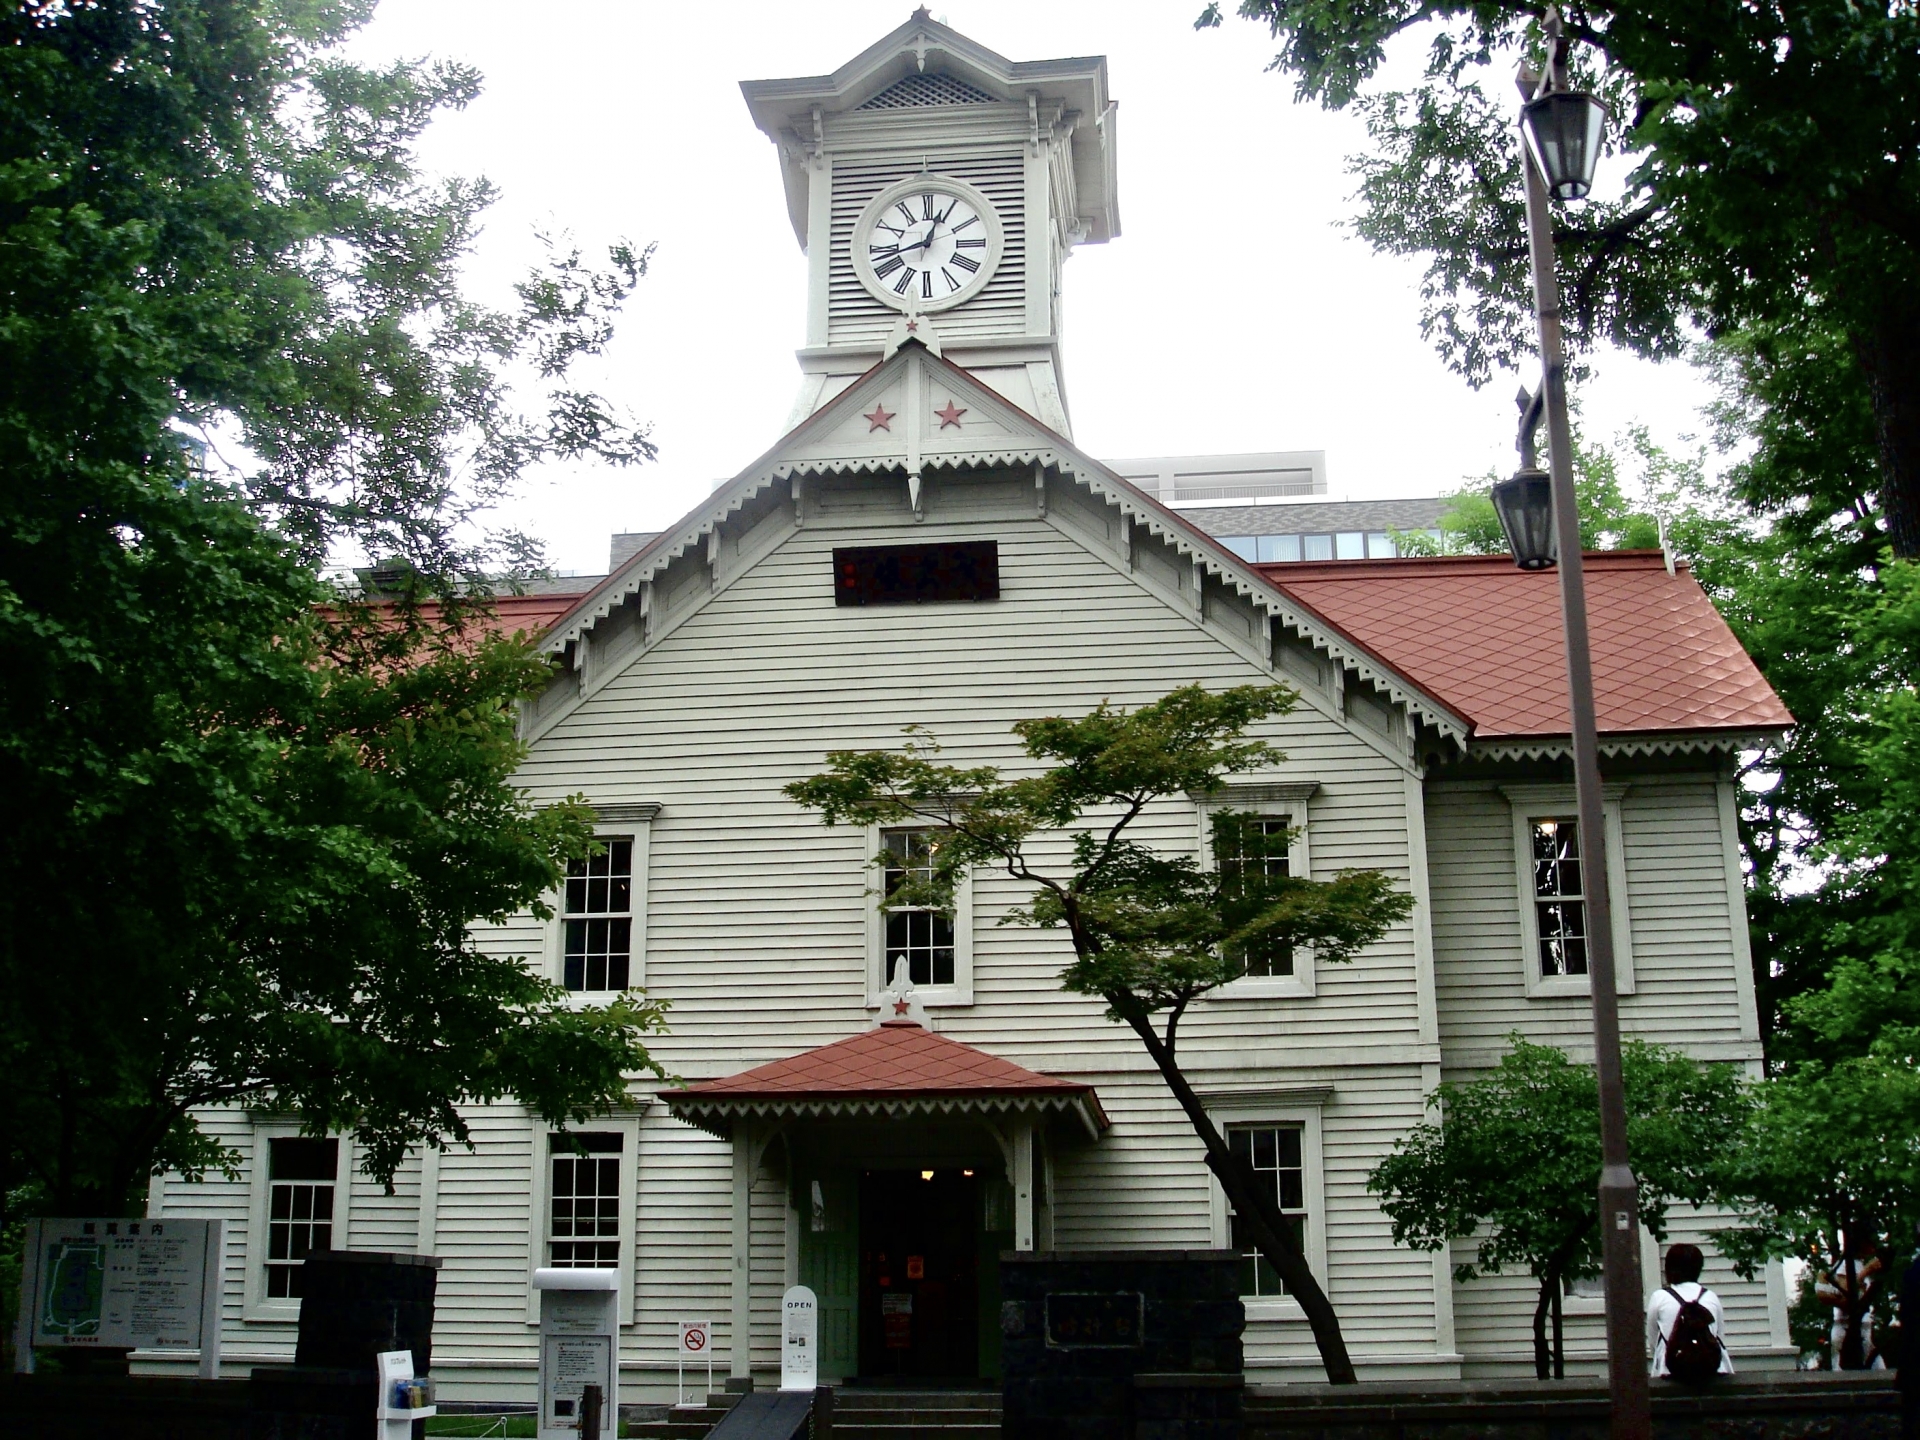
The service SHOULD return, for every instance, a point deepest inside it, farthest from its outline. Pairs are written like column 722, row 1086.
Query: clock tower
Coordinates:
column 937, row 189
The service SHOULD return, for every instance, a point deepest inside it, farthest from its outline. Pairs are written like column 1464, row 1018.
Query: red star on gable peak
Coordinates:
column 901, row 1007
column 950, row 416
column 912, row 325
column 879, row 418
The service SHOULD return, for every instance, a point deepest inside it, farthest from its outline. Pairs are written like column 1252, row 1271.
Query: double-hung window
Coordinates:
column 1258, row 850
column 921, row 936
column 597, row 921
column 1276, row 1153
column 584, row 1200
column 1559, row 899
column 299, row 1208
column 1272, row 810
column 1554, row 867
column 1276, row 1134
column 928, row 945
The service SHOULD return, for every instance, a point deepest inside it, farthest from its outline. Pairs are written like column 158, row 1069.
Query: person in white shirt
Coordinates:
column 1684, row 1263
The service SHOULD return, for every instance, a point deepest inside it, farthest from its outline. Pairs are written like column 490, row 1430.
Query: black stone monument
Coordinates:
column 1121, row 1345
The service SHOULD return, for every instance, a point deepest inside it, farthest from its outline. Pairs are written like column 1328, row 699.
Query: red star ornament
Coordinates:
column 950, row 416
column 901, row 1007
column 879, row 418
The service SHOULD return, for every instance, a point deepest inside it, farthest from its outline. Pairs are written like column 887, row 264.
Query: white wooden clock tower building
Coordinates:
column 930, row 177
column 878, row 1103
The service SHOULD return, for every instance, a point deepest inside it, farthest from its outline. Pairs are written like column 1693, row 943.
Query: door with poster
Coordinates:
column 830, row 1266
column 919, row 1274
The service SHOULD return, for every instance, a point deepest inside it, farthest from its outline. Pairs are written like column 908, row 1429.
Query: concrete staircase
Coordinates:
column 861, row 1413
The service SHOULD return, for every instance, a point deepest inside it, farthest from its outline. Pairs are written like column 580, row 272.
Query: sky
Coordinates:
column 1233, row 312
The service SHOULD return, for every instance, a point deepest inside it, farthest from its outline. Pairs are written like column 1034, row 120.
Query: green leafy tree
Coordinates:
column 1831, row 1154
column 250, row 818
column 1772, row 173
column 1151, row 933
column 1515, row 1159
column 1609, row 519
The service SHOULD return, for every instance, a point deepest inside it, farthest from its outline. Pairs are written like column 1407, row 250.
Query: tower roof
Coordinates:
column 924, row 64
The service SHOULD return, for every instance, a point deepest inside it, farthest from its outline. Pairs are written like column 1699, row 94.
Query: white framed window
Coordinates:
column 933, row 944
column 1276, row 806
column 1552, row 870
column 584, row 1217
column 599, row 939
column 1279, row 1136
column 585, row 1195
column 300, row 1189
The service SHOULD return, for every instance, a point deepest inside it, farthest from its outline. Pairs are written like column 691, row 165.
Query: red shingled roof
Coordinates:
column 898, row 1058
column 1485, row 638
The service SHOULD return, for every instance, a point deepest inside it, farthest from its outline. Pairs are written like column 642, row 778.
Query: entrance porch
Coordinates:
column 912, row 1161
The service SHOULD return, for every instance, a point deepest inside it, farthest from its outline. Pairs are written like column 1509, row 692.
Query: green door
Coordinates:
column 830, row 1267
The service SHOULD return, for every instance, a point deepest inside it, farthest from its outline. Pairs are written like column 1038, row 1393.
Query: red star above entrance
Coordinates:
column 950, row 416
column 879, row 418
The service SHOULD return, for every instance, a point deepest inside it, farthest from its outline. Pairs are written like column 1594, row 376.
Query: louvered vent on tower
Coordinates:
column 916, row 90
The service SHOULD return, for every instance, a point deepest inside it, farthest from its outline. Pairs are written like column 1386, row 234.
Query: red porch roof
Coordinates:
column 1485, row 638
column 896, row 1068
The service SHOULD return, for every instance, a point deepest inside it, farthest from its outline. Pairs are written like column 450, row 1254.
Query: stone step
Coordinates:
column 865, row 1420
column 851, row 1398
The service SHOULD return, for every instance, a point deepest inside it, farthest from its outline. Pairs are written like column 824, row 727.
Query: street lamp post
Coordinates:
column 1562, row 131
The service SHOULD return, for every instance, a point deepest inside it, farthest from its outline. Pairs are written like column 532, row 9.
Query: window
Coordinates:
column 1247, row 547
column 1257, row 848
column 1276, row 808
column 302, row 1174
column 932, row 944
column 583, row 1204
column 1350, row 545
column 1559, row 903
column 920, row 935
column 1553, row 869
column 598, row 919
column 1380, row 545
column 1317, row 547
column 1279, row 548
column 1277, row 1132
column 1276, row 1154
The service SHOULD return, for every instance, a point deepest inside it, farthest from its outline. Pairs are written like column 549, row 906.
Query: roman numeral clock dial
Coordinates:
column 928, row 243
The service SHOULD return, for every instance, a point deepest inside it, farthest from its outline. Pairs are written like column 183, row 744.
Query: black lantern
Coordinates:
column 1525, row 507
column 1564, row 131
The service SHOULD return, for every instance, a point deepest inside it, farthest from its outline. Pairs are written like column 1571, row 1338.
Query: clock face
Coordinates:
column 927, row 244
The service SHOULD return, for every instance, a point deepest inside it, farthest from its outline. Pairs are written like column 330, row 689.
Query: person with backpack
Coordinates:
column 1683, row 1322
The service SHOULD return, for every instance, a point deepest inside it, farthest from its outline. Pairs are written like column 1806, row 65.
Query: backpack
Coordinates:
column 1693, row 1350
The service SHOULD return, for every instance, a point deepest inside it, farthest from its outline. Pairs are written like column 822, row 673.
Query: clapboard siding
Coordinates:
column 1680, row 911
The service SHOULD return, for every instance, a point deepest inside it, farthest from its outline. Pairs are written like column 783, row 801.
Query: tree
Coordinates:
column 1516, row 1154
column 1151, row 933
column 1609, row 520
column 1830, row 1155
column 251, row 817
column 1775, row 176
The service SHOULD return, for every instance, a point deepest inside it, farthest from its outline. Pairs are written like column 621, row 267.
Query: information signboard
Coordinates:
column 799, row 1339
column 120, row 1284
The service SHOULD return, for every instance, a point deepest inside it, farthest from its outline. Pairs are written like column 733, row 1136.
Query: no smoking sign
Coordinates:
column 694, row 1337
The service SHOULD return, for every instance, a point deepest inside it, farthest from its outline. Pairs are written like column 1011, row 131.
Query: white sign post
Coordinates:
column 579, row 1346
column 696, row 1342
column 799, row 1339
column 120, row 1284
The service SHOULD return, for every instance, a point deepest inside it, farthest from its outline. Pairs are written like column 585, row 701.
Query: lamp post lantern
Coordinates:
column 1563, row 131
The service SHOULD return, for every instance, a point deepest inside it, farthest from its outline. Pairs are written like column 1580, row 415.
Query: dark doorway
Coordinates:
column 919, row 1275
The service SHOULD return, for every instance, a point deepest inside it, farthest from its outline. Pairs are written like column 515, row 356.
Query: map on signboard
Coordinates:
column 75, row 1288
